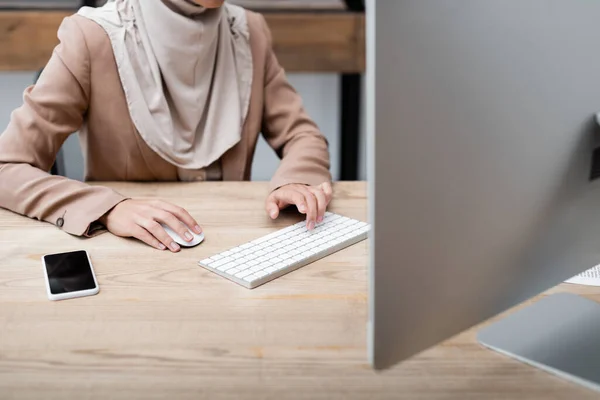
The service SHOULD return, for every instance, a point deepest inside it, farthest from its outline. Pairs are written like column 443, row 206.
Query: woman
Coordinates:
column 160, row 90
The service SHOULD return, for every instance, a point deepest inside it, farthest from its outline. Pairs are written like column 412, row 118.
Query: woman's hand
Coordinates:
column 142, row 219
column 310, row 200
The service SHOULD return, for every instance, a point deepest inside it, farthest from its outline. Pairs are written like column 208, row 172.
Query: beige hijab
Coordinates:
column 186, row 72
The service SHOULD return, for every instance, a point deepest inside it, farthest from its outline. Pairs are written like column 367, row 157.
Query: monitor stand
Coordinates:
column 559, row 334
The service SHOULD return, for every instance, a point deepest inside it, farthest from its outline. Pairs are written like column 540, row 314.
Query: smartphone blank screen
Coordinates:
column 69, row 272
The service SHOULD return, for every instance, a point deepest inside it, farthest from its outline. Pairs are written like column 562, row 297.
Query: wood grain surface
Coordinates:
column 162, row 327
column 304, row 41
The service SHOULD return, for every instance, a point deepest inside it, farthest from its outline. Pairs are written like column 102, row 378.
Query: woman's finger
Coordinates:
column 272, row 206
column 174, row 223
column 141, row 234
column 182, row 214
column 328, row 190
column 288, row 196
column 311, row 206
column 321, row 203
column 159, row 233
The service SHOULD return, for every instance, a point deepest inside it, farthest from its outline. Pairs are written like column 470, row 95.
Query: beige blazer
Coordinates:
column 80, row 90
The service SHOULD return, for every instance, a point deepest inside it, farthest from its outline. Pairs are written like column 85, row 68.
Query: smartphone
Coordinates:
column 69, row 275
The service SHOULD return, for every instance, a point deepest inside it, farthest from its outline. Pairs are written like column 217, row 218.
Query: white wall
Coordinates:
column 11, row 93
column 320, row 93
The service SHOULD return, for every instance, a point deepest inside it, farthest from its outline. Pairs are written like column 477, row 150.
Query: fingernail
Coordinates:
column 320, row 219
column 174, row 246
column 302, row 208
column 273, row 213
column 188, row 236
column 198, row 229
column 311, row 225
column 162, row 246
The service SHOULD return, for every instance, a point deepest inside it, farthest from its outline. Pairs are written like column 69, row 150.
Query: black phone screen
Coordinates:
column 69, row 272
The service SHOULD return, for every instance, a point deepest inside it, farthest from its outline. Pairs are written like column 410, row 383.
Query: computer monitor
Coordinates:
column 482, row 181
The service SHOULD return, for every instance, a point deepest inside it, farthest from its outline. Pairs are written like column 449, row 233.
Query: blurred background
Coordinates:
column 320, row 43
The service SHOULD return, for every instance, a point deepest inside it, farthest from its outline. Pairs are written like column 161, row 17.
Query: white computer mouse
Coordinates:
column 181, row 241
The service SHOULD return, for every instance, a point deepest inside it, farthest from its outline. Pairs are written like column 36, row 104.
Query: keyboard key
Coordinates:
column 222, row 261
column 288, row 229
column 260, row 274
column 270, row 270
column 313, row 251
column 252, row 263
column 277, row 247
column 247, row 245
column 250, row 278
column 243, row 274
column 243, row 267
column 280, row 246
column 225, row 267
column 208, row 261
column 263, row 239
column 320, row 233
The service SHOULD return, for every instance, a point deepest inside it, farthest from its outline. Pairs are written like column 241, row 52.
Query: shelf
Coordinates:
column 308, row 41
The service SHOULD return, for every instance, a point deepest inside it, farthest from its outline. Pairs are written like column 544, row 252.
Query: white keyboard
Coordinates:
column 262, row 260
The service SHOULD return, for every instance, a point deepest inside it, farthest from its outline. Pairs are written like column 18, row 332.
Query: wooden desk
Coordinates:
column 162, row 327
